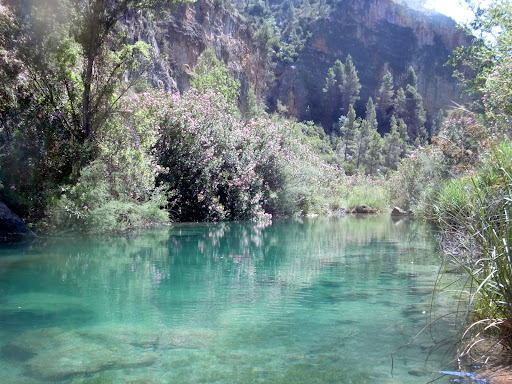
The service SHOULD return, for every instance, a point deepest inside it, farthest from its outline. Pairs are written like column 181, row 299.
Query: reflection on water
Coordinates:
column 313, row 301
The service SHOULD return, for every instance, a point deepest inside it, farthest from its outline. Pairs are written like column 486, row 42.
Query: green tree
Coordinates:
column 93, row 25
column 350, row 85
column 373, row 154
column 76, row 67
column 488, row 44
column 373, row 157
column 371, row 115
column 494, row 72
column 348, row 133
column 82, row 53
column 404, row 137
column 341, row 89
column 211, row 73
column 393, row 144
column 362, row 136
column 385, row 93
column 411, row 78
column 414, row 115
column 332, row 92
column 330, row 96
column 399, row 102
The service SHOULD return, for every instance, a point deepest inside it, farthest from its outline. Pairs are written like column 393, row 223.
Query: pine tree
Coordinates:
column 422, row 137
column 373, row 154
column 348, row 131
column 332, row 92
column 399, row 102
column 404, row 137
column 385, row 93
column 414, row 115
column 373, row 157
column 350, row 85
column 393, row 144
column 411, row 78
column 361, row 144
column 371, row 115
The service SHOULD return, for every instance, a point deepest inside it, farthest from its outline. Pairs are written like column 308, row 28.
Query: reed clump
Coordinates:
column 478, row 209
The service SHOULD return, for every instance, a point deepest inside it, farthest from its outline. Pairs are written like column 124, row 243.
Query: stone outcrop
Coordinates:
column 365, row 209
column 400, row 212
column 180, row 36
column 380, row 35
column 11, row 226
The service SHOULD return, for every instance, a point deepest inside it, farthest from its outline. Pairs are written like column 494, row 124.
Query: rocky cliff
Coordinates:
column 380, row 35
column 180, row 35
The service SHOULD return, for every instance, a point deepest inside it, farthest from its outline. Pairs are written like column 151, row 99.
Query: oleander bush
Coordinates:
column 221, row 167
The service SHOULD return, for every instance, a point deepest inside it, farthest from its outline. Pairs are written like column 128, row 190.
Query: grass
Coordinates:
column 480, row 207
column 363, row 190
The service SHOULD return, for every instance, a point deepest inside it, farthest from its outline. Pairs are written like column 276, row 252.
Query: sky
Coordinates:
column 452, row 8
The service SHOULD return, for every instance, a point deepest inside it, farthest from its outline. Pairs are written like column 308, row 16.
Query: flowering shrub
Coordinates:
column 220, row 167
column 461, row 140
column 189, row 154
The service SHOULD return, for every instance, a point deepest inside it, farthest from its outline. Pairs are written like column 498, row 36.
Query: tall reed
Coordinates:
column 480, row 207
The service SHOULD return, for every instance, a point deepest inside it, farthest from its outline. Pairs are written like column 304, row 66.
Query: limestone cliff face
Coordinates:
column 180, row 36
column 379, row 35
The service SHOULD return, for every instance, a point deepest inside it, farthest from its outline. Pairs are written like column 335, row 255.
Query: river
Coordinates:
column 296, row 301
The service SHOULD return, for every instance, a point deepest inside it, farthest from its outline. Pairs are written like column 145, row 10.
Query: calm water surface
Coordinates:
column 313, row 301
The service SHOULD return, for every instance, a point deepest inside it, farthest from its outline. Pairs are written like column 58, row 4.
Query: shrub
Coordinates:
column 221, row 167
column 117, row 191
column 416, row 178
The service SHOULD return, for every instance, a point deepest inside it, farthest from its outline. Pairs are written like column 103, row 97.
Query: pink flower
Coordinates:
column 86, row 207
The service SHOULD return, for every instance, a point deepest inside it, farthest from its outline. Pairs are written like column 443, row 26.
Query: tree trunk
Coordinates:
column 86, row 98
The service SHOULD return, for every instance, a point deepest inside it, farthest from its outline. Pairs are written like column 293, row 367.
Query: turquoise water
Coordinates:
column 313, row 301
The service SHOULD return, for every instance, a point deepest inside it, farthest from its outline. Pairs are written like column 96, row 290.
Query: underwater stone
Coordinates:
column 15, row 353
column 417, row 372
column 55, row 354
column 187, row 338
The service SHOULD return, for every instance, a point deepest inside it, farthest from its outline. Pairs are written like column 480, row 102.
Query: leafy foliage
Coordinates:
column 69, row 68
column 117, row 190
column 223, row 168
column 211, row 74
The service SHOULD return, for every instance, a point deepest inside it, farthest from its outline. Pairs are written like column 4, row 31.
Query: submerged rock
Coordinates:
column 41, row 302
column 417, row 372
column 54, row 354
column 186, row 338
column 135, row 336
